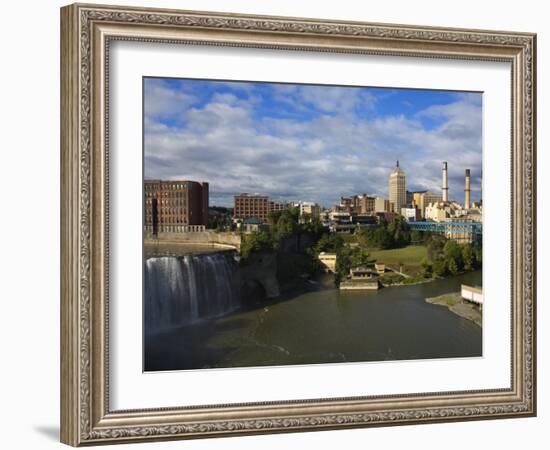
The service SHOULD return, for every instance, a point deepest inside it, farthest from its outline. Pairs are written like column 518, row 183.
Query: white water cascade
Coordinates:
column 185, row 289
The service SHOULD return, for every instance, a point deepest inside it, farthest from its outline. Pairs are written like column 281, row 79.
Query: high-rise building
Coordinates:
column 175, row 205
column 397, row 188
column 249, row 206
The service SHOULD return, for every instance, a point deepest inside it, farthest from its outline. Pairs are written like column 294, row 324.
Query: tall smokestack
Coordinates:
column 467, row 190
column 445, row 188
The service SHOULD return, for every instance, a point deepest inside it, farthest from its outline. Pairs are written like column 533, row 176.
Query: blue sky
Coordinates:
column 308, row 142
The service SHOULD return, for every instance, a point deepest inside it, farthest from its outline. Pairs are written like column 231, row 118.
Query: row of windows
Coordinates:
column 168, row 220
column 176, row 194
column 248, row 197
column 177, row 228
column 169, row 186
column 251, row 205
column 264, row 210
column 180, row 211
column 177, row 202
column 172, row 216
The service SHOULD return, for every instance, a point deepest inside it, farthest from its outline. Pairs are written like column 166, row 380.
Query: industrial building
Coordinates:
column 381, row 204
column 356, row 204
column 421, row 199
column 411, row 214
column 311, row 208
column 175, row 205
column 252, row 206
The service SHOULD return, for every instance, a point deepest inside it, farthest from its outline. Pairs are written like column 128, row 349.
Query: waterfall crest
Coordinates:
column 180, row 290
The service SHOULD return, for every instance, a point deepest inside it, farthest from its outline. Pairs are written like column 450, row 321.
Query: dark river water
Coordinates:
column 324, row 326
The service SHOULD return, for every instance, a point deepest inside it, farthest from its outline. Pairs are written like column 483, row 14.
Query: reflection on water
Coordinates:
column 325, row 326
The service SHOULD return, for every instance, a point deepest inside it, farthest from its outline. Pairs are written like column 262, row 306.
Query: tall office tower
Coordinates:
column 445, row 187
column 467, row 190
column 397, row 189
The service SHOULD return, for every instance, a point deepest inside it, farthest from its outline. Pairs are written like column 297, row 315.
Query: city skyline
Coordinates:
column 305, row 142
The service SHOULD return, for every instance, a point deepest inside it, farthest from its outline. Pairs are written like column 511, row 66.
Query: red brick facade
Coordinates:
column 179, row 203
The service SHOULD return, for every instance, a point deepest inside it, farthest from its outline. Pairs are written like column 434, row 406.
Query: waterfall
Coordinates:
column 180, row 290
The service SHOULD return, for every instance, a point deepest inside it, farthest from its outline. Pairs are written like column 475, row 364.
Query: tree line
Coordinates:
column 287, row 229
column 387, row 235
column 284, row 226
column 446, row 256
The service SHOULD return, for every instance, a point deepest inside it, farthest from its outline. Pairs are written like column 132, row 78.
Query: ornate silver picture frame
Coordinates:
column 87, row 33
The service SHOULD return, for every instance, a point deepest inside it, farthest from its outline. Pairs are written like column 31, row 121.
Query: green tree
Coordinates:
column 343, row 263
column 435, row 244
column 468, row 257
column 382, row 238
column 453, row 252
column 364, row 237
column 452, row 266
column 330, row 243
column 427, row 268
column 439, row 267
column 399, row 231
column 274, row 217
column 287, row 223
column 416, row 237
column 254, row 242
column 359, row 257
column 311, row 224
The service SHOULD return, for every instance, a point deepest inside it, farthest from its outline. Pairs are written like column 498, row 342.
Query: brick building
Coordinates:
column 249, row 206
column 175, row 205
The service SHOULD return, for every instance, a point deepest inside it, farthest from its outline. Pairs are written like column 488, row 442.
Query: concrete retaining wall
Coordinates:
column 202, row 237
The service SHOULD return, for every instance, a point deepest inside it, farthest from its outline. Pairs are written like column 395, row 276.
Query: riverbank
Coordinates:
column 410, row 282
column 457, row 305
column 321, row 325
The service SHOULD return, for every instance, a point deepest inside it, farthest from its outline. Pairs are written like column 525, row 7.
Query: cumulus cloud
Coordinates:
column 163, row 101
column 308, row 143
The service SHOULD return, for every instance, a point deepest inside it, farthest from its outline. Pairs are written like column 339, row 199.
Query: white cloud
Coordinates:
column 317, row 159
column 163, row 102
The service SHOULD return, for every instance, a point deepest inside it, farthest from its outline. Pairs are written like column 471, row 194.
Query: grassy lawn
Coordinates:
column 410, row 257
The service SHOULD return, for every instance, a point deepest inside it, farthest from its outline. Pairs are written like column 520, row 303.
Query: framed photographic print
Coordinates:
column 275, row 224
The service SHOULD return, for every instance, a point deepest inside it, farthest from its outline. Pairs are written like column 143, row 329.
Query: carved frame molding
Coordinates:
column 86, row 32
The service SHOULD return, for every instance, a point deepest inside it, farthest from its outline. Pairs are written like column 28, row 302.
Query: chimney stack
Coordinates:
column 445, row 188
column 467, row 190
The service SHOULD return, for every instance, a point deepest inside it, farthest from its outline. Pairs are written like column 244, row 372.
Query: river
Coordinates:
column 321, row 326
